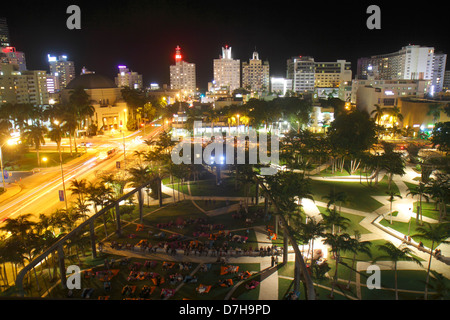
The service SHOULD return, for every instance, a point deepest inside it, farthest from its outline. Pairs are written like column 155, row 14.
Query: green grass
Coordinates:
column 403, row 227
column 359, row 195
column 354, row 223
column 29, row 160
column 210, row 188
column 413, row 280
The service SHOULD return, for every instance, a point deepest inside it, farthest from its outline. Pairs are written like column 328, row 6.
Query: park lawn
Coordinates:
column 429, row 210
column 403, row 227
column 328, row 173
column 183, row 209
column 120, row 280
column 359, row 195
column 413, row 280
column 209, row 188
column 214, row 204
column 29, row 160
column 354, row 223
column 212, row 277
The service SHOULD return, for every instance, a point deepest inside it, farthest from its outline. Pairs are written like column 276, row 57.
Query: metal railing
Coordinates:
column 58, row 246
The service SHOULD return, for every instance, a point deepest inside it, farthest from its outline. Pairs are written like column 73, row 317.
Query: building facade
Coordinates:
column 110, row 109
column 438, row 73
column 61, row 68
column 12, row 56
column 332, row 74
column 301, row 70
column 23, row 86
column 4, row 33
column 386, row 93
column 255, row 74
column 127, row 78
column 280, row 86
column 412, row 62
column 182, row 75
column 227, row 71
column 446, row 84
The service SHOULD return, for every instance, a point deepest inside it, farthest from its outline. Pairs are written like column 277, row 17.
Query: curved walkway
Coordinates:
column 269, row 284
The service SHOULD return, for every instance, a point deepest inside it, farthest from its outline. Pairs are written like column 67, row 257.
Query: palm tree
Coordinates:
column 439, row 286
column 334, row 197
column 392, row 195
column 396, row 254
column 78, row 188
column 338, row 243
column 212, row 116
column 358, row 246
column 438, row 189
column 139, row 176
column 333, row 219
column 56, row 134
column 437, row 234
column 378, row 113
column 396, row 115
column 139, row 154
column 394, row 164
column 419, row 190
column 434, row 110
column 311, row 231
column 34, row 134
column 99, row 195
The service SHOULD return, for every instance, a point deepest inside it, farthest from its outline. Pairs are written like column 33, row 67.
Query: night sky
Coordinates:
column 143, row 34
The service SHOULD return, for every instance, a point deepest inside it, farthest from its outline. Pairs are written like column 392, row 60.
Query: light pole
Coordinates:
column 124, row 158
column 237, row 128
column 9, row 142
column 62, row 177
column 56, row 122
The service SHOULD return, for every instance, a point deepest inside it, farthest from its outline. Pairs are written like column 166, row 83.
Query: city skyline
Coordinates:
column 143, row 35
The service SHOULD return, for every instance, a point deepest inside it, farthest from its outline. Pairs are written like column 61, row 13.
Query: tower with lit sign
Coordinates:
column 182, row 75
column 61, row 68
column 227, row 71
column 255, row 74
column 11, row 56
column 128, row 78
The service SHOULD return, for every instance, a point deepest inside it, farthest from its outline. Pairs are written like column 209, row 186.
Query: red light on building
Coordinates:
column 8, row 49
column 178, row 56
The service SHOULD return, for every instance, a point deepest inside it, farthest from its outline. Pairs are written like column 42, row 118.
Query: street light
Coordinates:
column 56, row 122
column 9, row 142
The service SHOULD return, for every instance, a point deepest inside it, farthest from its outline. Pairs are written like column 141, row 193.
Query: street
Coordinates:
column 40, row 191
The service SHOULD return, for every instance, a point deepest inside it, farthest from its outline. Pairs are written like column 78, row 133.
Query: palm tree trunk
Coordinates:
column 5, row 275
column 428, row 271
column 395, row 280
column 37, row 155
column 70, row 143
column 351, row 270
column 335, row 277
column 75, row 141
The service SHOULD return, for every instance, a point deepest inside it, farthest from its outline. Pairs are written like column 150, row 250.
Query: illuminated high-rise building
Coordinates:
column 4, row 33
column 255, row 74
column 23, row 86
column 127, row 78
column 412, row 62
column 182, row 75
column 227, row 71
column 11, row 56
column 63, row 69
column 301, row 70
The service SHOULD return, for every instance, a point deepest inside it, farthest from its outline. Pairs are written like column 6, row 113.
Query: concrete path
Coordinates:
column 269, row 283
